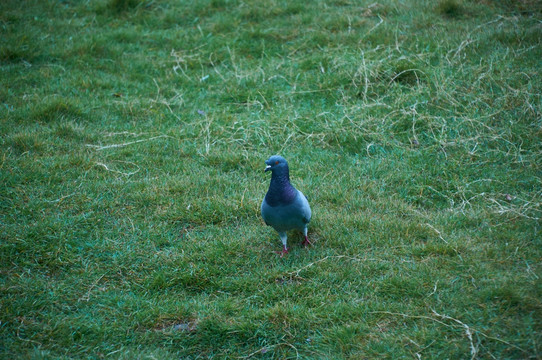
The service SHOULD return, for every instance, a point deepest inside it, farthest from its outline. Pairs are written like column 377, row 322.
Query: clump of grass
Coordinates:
column 23, row 143
column 20, row 48
column 407, row 72
column 523, row 7
column 71, row 131
column 55, row 110
column 120, row 6
column 15, row 54
column 450, row 8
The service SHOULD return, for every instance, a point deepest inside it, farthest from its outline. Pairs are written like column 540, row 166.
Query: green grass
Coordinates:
column 133, row 140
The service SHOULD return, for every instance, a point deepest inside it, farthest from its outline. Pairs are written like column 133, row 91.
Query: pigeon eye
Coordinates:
column 276, row 162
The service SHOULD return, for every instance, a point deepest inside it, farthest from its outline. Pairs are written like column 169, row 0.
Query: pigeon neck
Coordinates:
column 280, row 192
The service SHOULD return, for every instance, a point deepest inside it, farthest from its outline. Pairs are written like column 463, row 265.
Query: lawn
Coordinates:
column 133, row 140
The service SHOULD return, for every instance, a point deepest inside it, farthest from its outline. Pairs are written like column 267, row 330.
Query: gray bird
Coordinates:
column 284, row 207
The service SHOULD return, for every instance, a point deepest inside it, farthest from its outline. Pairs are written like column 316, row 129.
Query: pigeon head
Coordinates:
column 276, row 164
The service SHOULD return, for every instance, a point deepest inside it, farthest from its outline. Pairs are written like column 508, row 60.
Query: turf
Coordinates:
column 133, row 140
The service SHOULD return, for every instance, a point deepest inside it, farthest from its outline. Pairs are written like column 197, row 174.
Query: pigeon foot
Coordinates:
column 306, row 242
column 283, row 252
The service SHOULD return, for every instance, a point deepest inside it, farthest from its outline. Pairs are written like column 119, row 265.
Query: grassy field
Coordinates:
column 133, row 140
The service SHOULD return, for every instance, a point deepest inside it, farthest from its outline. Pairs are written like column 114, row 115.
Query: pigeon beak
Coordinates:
column 267, row 168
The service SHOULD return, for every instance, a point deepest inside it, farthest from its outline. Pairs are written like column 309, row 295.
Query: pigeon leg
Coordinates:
column 283, row 252
column 283, row 238
column 306, row 241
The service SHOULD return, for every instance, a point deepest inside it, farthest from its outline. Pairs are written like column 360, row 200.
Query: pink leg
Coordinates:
column 283, row 252
column 306, row 242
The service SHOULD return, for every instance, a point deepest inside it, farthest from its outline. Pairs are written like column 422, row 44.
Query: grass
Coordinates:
column 133, row 135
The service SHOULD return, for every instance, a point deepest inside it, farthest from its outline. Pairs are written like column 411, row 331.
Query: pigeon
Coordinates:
column 284, row 207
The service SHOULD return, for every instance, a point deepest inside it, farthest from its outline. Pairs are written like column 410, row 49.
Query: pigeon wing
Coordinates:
column 304, row 207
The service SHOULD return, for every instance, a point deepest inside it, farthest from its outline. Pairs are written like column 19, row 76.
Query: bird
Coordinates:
column 284, row 207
